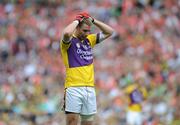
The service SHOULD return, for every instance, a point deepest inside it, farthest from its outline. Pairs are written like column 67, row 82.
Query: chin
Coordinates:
column 82, row 38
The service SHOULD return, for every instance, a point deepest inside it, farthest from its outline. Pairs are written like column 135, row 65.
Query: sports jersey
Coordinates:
column 78, row 59
column 136, row 95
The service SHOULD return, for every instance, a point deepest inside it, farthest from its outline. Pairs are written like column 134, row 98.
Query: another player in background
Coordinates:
column 136, row 94
column 76, row 49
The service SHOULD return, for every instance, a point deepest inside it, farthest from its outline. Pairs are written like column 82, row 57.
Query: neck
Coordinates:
column 76, row 34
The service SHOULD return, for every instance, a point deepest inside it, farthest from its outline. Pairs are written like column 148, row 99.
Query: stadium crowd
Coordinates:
column 144, row 47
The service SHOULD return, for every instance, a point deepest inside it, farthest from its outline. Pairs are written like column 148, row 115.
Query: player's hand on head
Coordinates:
column 88, row 17
column 84, row 16
column 79, row 18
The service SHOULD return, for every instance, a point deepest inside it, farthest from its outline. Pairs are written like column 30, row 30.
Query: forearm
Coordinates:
column 68, row 30
column 107, row 30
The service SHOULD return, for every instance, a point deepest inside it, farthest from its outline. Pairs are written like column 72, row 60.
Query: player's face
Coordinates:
column 84, row 30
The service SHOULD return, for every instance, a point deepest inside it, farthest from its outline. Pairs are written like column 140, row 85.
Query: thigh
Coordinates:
column 130, row 118
column 87, row 123
column 134, row 118
column 72, row 118
column 87, row 119
column 89, row 101
column 73, row 100
column 139, row 120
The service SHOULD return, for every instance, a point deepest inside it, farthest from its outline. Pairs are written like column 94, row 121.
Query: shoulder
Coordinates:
column 130, row 88
column 91, row 36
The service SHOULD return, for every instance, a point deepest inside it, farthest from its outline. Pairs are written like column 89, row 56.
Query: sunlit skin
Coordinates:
column 81, row 29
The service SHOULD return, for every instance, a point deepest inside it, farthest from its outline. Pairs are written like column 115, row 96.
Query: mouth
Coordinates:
column 83, row 37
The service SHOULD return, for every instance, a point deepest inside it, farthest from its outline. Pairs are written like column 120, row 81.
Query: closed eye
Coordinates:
column 86, row 30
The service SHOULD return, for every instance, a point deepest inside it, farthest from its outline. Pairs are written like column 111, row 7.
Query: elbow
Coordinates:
column 111, row 32
column 66, row 34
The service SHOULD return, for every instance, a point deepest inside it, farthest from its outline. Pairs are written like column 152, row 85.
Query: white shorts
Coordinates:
column 80, row 100
column 134, row 118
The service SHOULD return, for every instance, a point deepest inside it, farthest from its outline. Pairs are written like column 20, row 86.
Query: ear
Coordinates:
column 78, row 28
column 88, row 21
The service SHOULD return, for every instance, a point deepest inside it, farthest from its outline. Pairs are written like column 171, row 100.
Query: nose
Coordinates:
column 86, row 34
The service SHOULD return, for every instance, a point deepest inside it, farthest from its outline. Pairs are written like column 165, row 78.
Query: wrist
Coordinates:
column 76, row 21
column 93, row 20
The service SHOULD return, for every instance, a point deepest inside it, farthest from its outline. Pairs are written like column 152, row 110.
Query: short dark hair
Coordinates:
column 83, row 21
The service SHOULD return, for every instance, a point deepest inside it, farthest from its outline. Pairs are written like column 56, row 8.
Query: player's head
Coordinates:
column 83, row 29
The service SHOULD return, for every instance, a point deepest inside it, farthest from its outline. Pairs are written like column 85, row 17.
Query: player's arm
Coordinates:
column 106, row 30
column 68, row 31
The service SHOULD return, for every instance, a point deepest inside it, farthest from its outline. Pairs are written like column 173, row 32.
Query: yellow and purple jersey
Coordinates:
column 136, row 96
column 78, row 59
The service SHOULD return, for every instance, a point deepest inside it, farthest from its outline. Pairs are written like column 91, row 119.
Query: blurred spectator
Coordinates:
column 136, row 95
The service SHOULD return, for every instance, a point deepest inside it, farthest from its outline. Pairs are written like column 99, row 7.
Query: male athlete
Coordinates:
column 76, row 49
column 137, row 94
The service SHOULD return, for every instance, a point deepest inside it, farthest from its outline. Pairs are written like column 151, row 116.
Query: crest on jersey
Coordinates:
column 78, row 45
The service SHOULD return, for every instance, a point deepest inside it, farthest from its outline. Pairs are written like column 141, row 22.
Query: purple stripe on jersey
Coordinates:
column 136, row 97
column 79, row 53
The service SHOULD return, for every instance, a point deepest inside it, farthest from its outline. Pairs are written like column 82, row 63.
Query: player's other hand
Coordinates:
column 84, row 16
